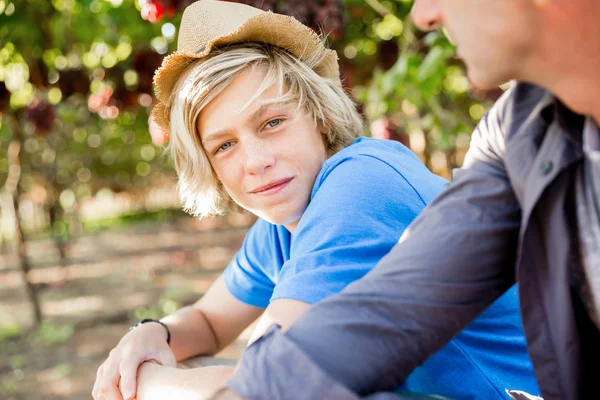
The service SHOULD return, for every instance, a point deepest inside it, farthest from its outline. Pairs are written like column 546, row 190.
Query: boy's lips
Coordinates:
column 271, row 187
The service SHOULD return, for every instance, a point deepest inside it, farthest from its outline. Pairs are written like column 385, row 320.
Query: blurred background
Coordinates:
column 91, row 233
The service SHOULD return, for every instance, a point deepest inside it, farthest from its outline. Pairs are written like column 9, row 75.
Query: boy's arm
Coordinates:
column 155, row 381
column 283, row 312
column 202, row 329
column 218, row 316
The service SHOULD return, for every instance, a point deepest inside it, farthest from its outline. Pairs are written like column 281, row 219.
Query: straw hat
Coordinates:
column 208, row 23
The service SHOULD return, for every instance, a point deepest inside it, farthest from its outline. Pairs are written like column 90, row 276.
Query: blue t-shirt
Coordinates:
column 363, row 199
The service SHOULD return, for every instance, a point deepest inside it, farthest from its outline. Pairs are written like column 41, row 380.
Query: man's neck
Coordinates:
column 567, row 62
column 576, row 83
column 581, row 94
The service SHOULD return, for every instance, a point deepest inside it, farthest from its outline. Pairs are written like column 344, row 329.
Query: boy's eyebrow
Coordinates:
column 256, row 115
column 215, row 136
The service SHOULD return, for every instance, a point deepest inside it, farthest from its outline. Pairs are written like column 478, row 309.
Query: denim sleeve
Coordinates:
column 275, row 368
column 454, row 260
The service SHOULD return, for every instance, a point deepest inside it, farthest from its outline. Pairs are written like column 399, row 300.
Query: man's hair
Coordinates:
column 321, row 98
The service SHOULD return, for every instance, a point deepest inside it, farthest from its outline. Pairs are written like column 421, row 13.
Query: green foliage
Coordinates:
column 49, row 334
column 156, row 311
column 9, row 388
column 62, row 370
column 153, row 312
column 130, row 219
column 17, row 362
column 76, row 85
column 75, row 89
column 168, row 303
column 410, row 77
column 11, row 345
column 10, row 332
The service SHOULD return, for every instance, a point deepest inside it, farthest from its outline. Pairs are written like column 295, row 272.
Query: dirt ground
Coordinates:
column 108, row 281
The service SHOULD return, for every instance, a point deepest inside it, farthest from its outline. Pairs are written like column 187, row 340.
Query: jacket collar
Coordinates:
column 560, row 148
column 569, row 123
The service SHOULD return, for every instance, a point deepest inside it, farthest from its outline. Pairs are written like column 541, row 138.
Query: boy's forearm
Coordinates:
column 211, row 323
column 191, row 334
column 156, row 382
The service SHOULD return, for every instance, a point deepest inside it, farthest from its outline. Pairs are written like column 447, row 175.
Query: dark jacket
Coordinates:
column 508, row 215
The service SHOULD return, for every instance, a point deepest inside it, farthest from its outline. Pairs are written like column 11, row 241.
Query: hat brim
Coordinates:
column 267, row 27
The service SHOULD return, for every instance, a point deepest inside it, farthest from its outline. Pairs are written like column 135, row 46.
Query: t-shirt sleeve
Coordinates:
column 357, row 215
column 248, row 276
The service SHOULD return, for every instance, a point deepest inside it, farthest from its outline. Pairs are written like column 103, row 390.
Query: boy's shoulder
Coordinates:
column 386, row 150
column 369, row 158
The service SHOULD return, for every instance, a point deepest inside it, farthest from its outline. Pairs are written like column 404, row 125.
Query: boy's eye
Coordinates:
column 273, row 123
column 224, row 146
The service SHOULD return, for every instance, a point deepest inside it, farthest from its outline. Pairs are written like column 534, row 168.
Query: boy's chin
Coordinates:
column 283, row 219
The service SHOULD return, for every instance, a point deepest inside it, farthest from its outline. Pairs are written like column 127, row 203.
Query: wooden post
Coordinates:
column 12, row 187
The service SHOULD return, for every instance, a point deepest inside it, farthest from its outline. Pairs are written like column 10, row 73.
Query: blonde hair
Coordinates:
column 323, row 99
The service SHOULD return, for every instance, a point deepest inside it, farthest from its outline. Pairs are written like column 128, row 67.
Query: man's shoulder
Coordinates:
column 514, row 117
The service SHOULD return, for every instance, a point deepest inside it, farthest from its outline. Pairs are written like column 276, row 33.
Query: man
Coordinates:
column 525, row 207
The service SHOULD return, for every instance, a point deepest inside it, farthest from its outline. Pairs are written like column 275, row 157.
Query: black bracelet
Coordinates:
column 153, row 320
